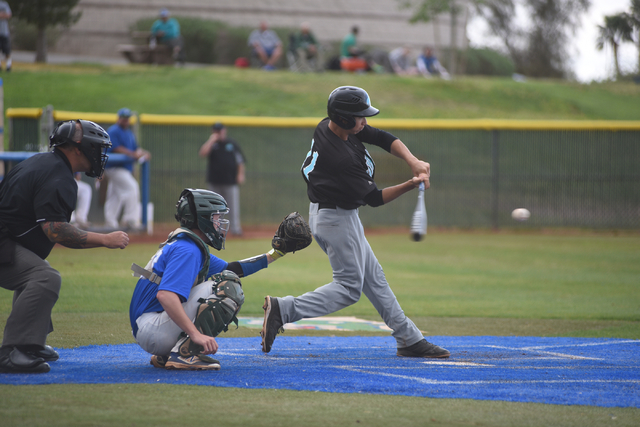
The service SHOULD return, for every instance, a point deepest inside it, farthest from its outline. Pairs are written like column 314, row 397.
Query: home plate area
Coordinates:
column 566, row 371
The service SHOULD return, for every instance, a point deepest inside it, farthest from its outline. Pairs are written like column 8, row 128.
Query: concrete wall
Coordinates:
column 105, row 23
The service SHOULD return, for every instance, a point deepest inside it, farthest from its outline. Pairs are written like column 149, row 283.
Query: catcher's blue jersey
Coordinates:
column 178, row 263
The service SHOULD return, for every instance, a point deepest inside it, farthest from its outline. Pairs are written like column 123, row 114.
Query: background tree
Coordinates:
column 44, row 14
column 428, row 11
column 615, row 30
column 634, row 20
column 537, row 50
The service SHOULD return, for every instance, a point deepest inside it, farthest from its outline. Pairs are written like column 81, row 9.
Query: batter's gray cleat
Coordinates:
column 200, row 362
column 272, row 324
column 159, row 361
column 423, row 348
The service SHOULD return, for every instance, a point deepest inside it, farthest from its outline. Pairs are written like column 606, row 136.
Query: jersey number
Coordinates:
column 313, row 159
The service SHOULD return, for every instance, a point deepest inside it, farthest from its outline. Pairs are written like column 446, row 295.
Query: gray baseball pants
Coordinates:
column 36, row 287
column 356, row 270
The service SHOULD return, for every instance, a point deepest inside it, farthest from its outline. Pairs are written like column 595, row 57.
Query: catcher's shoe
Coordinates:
column 423, row 348
column 159, row 361
column 272, row 324
column 200, row 362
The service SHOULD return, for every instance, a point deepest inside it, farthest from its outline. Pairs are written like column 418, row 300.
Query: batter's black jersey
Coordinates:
column 342, row 172
column 224, row 158
column 39, row 189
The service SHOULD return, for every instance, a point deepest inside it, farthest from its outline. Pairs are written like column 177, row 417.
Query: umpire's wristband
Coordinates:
column 275, row 254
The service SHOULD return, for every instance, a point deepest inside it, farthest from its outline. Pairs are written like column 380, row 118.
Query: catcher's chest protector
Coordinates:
column 218, row 311
column 202, row 275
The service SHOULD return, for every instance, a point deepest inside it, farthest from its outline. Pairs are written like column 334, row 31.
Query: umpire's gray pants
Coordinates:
column 356, row 269
column 36, row 286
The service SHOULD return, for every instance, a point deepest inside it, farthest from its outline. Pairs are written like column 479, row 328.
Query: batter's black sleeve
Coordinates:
column 375, row 136
column 374, row 198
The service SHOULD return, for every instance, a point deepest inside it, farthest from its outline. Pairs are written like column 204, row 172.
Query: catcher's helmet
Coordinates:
column 94, row 143
column 197, row 208
column 347, row 102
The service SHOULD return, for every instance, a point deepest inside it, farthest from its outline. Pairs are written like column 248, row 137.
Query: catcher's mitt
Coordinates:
column 292, row 235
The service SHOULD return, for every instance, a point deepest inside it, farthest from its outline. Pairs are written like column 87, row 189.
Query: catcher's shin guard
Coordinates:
column 217, row 311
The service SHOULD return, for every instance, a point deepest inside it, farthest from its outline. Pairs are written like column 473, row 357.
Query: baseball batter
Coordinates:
column 339, row 173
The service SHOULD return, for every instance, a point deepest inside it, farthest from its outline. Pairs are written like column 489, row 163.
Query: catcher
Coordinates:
column 175, row 312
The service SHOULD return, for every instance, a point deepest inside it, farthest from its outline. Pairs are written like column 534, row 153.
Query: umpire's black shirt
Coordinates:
column 39, row 189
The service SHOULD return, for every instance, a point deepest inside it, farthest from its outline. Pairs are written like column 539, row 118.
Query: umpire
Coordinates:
column 36, row 201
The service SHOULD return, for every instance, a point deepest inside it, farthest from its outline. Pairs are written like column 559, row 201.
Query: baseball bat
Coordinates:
column 419, row 219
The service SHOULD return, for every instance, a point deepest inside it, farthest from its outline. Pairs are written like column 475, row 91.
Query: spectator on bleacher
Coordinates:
column 351, row 56
column 266, row 46
column 123, row 192
column 400, row 61
column 429, row 66
column 166, row 31
column 306, row 49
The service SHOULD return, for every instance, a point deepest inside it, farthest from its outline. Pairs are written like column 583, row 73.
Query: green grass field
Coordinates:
column 230, row 91
column 535, row 283
column 452, row 283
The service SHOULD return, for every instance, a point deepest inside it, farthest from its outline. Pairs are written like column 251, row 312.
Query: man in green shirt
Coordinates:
column 306, row 49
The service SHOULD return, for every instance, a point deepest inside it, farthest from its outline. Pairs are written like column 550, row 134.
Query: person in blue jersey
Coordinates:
column 175, row 312
column 122, row 204
column 166, row 31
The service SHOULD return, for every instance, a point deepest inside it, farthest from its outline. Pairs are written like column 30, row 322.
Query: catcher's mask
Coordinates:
column 93, row 144
column 347, row 102
column 205, row 210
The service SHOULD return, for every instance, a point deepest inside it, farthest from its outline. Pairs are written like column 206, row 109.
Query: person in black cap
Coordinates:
column 225, row 171
column 37, row 198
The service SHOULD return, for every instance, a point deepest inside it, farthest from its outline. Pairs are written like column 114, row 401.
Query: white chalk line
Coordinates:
column 479, row 382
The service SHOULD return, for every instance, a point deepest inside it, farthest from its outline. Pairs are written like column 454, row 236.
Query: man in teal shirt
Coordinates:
column 351, row 57
column 166, row 31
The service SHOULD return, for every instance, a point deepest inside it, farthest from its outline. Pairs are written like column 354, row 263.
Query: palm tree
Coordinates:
column 616, row 29
column 634, row 20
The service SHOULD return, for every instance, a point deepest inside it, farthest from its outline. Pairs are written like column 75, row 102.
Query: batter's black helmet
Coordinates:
column 347, row 102
column 94, row 143
column 196, row 208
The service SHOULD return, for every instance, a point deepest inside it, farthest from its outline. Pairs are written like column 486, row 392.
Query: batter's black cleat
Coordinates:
column 272, row 324
column 48, row 354
column 424, row 348
column 17, row 362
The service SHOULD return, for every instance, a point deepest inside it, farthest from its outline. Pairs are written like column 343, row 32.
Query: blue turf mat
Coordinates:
column 566, row 371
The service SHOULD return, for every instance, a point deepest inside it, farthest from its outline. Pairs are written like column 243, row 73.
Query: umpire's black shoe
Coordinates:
column 17, row 362
column 272, row 324
column 48, row 353
column 423, row 348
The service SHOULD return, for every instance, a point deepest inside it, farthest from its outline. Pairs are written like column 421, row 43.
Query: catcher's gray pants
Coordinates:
column 36, row 286
column 340, row 235
column 231, row 194
column 158, row 334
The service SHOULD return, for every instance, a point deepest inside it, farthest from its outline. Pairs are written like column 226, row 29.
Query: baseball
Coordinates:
column 520, row 214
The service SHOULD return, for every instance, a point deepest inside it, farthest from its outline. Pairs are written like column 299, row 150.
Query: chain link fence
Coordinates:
column 568, row 174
